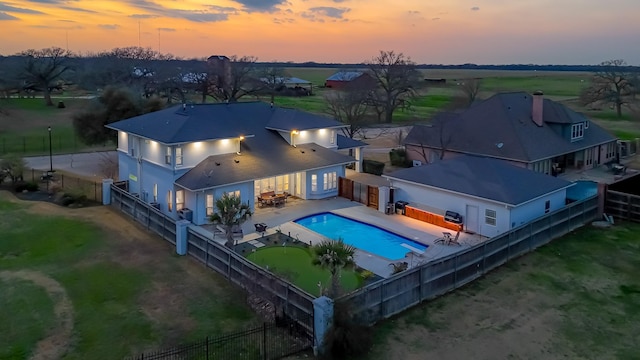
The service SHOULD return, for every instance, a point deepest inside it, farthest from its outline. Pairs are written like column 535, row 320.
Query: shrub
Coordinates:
column 372, row 167
column 28, row 186
column 398, row 157
column 76, row 199
column 346, row 338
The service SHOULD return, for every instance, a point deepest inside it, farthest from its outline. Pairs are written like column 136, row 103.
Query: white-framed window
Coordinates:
column 178, row 155
column 333, row 137
column 490, row 217
column 179, row 199
column 577, row 131
column 167, row 155
column 547, row 206
column 330, row 181
column 209, row 204
column 314, row 182
column 235, row 193
column 170, row 200
column 155, row 193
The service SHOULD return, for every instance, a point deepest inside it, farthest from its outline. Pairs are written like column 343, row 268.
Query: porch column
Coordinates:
column 106, row 191
column 358, row 155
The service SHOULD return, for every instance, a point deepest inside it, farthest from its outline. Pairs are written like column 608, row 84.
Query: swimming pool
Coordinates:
column 369, row 238
column 582, row 189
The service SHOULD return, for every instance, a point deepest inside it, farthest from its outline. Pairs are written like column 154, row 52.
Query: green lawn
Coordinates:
column 129, row 294
column 24, row 123
column 294, row 264
column 578, row 298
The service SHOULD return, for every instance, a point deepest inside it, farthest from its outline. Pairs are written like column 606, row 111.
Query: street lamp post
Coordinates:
column 50, row 153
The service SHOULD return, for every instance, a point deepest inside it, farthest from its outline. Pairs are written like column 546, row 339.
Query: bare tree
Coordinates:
column 43, row 68
column 231, row 78
column 470, row 88
column 614, row 85
column 439, row 132
column 274, row 78
column 396, row 77
column 348, row 106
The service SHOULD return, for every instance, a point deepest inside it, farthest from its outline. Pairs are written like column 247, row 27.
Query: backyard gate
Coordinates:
column 355, row 191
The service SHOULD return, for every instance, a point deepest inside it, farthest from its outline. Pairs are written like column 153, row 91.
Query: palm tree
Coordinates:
column 335, row 256
column 230, row 211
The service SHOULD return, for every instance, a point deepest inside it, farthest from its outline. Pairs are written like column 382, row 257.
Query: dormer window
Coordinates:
column 577, row 131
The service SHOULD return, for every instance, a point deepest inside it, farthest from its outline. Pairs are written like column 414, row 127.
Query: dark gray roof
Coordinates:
column 349, row 143
column 201, row 122
column 345, row 75
column 501, row 127
column 285, row 80
column 483, row 177
column 260, row 157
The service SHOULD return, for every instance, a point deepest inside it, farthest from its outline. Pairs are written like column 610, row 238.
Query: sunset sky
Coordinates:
column 428, row 31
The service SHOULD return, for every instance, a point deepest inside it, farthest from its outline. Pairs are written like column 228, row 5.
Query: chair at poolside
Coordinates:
column 445, row 239
column 454, row 241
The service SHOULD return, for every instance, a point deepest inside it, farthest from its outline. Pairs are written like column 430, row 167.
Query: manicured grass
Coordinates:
column 294, row 264
column 27, row 313
column 120, row 308
column 587, row 279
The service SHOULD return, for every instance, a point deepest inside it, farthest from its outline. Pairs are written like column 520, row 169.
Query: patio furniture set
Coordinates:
column 270, row 198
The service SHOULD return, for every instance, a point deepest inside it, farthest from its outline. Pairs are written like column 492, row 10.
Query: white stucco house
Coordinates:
column 187, row 156
column 492, row 195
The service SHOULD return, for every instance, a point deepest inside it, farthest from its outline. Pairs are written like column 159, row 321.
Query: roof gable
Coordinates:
column 501, row 127
column 202, row 122
column 483, row 177
column 345, row 75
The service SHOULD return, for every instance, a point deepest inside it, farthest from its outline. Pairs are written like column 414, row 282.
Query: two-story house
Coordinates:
column 525, row 130
column 187, row 156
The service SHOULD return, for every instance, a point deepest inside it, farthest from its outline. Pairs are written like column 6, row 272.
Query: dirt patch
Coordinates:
column 55, row 345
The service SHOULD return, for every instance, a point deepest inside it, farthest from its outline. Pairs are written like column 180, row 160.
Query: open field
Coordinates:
column 293, row 263
column 24, row 123
column 576, row 298
column 89, row 284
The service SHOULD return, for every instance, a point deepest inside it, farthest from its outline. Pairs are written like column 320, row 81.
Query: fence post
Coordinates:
column 181, row 236
column 106, row 191
column 264, row 341
column 322, row 322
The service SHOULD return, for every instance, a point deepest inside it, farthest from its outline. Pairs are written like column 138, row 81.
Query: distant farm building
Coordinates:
column 342, row 79
column 436, row 81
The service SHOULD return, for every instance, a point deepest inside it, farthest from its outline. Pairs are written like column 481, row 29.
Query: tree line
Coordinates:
column 136, row 80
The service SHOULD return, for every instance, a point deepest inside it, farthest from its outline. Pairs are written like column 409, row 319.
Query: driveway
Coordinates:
column 91, row 164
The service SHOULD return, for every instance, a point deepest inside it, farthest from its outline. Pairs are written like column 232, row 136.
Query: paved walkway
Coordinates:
column 282, row 219
column 91, row 164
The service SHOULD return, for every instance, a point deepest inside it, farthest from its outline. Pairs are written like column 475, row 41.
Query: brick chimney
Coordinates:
column 536, row 109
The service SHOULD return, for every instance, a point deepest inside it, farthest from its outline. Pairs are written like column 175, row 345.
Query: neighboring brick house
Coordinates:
column 525, row 130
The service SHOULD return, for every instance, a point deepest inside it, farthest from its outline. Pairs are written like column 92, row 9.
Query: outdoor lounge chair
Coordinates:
column 261, row 227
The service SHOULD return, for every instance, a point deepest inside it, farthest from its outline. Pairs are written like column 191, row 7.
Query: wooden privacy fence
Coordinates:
column 355, row 191
column 144, row 213
column 622, row 205
column 295, row 302
column 388, row 297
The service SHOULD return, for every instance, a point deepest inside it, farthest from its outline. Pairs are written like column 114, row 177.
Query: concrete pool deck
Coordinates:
column 282, row 219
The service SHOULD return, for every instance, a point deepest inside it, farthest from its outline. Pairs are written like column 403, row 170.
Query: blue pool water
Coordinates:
column 582, row 189
column 363, row 236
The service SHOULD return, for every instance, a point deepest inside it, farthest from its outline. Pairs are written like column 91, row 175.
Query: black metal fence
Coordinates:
column 269, row 341
column 69, row 184
column 39, row 145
